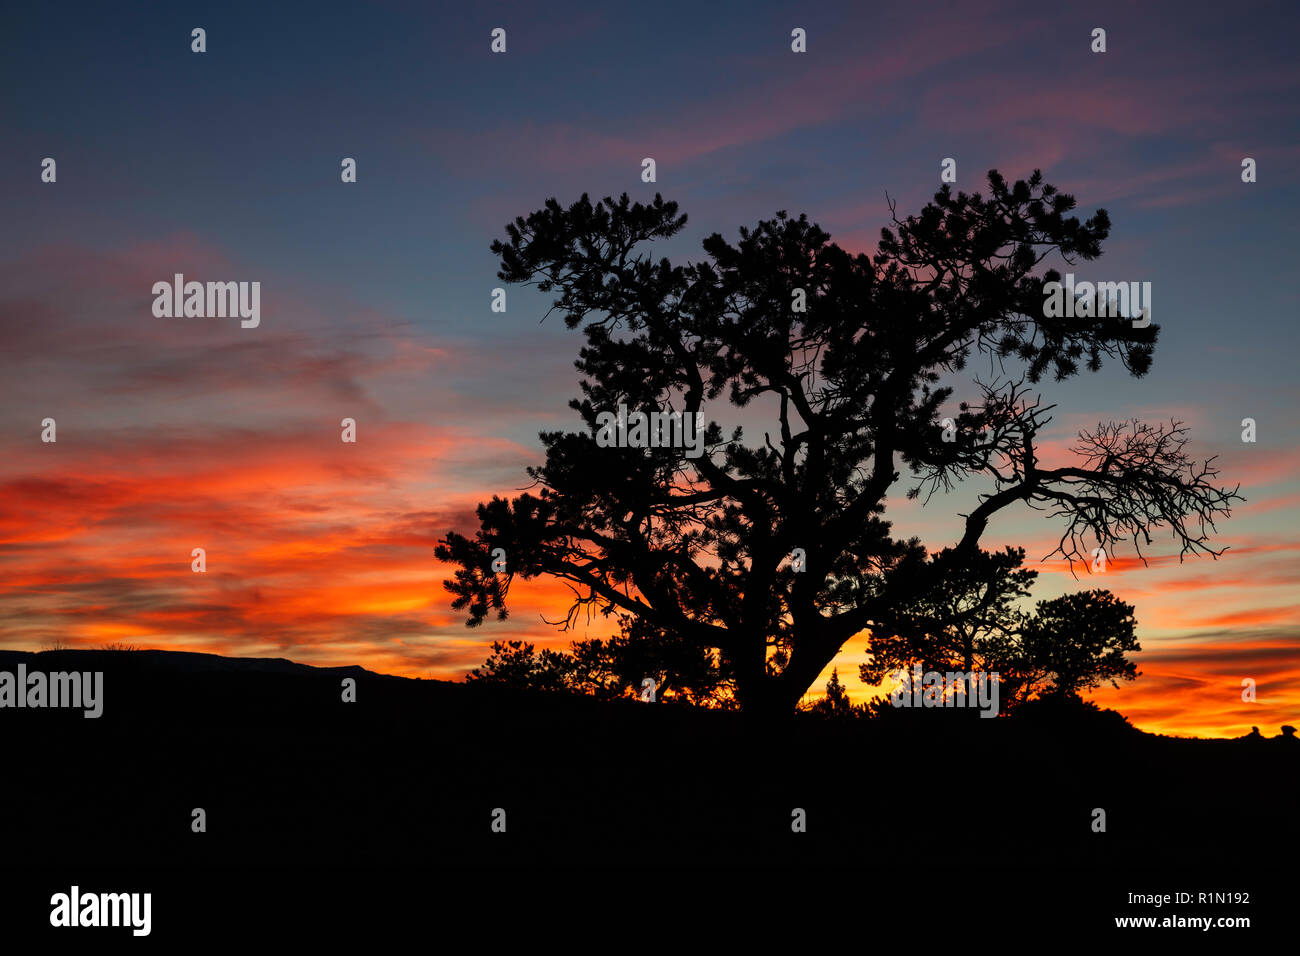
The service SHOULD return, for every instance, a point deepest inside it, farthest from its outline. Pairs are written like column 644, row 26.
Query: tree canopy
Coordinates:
column 856, row 357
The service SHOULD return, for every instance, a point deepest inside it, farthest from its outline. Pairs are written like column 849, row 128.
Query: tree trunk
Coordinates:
column 772, row 699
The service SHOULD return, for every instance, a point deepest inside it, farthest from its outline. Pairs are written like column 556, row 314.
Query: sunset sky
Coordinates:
column 182, row 433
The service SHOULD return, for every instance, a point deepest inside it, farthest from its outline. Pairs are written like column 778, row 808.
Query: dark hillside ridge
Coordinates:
column 410, row 774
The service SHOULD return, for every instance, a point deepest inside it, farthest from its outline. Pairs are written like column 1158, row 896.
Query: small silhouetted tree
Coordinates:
column 953, row 611
column 520, row 666
column 966, row 618
column 613, row 667
column 1077, row 642
column 836, row 704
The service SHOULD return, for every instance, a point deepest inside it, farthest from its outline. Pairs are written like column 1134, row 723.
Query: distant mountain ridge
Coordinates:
column 188, row 662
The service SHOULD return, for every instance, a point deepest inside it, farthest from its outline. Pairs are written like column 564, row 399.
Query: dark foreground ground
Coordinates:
column 922, row 807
